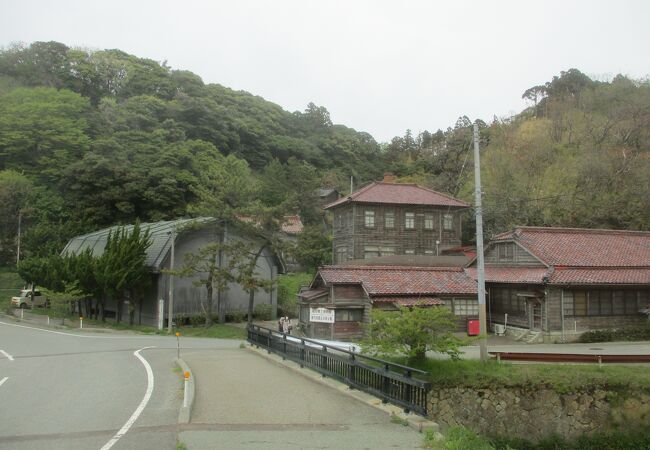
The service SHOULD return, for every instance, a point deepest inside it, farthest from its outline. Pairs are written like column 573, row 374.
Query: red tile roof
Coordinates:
column 409, row 301
column 579, row 247
column 577, row 256
column 292, row 225
column 399, row 280
column 399, row 193
column 600, row 275
column 511, row 274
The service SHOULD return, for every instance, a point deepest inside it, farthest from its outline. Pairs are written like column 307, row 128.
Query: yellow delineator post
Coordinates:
column 178, row 345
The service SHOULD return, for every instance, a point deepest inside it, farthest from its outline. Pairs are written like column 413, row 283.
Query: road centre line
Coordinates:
column 3, row 380
column 150, row 383
column 7, row 355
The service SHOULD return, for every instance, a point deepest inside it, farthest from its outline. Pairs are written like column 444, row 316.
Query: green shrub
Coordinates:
column 623, row 334
column 288, row 286
column 197, row 320
column 461, row 438
column 236, row 316
column 263, row 312
column 617, row 440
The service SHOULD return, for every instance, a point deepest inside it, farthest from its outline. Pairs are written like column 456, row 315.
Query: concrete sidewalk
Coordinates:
column 244, row 401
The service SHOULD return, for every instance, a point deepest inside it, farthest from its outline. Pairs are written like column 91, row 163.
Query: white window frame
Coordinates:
column 428, row 221
column 369, row 219
column 409, row 221
column 389, row 219
column 448, row 222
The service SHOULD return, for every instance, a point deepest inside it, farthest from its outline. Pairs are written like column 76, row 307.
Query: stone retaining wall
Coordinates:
column 537, row 413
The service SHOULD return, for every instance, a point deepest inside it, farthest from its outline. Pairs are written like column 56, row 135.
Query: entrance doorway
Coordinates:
column 535, row 314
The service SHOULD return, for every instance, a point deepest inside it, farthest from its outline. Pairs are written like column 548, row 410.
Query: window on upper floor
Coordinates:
column 369, row 219
column 428, row 221
column 448, row 222
column 409, row 221
column 341, row 254
column 506, row 251
column 389, row 219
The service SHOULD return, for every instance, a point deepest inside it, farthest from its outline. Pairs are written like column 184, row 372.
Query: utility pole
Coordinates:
column 351, row 184
column 170, row 314
column 479, row 248
column 20, row 219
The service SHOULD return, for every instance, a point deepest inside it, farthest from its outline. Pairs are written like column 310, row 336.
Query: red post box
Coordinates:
column 473, row 327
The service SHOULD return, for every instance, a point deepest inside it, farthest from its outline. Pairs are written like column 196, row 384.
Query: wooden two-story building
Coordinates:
column 387, row 238
column 561, row 282
column 386, row 218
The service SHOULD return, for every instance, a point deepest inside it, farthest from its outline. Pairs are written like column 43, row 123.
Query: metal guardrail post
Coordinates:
column 284, row 347
column 302, row 353
column 353, row 371
column 409, row 374
column 386, row 384
column 269, row 338
column 323, row 361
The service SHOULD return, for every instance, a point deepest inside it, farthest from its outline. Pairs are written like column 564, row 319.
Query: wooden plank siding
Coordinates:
column 510, row 254
column 351, row 233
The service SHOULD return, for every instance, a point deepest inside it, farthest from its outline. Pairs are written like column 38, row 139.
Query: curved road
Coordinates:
column 62, row 390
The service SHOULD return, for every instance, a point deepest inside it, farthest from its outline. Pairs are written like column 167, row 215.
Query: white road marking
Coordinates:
column 141, row 406
column 7, row 355
column 69, row 334
column 3, row 380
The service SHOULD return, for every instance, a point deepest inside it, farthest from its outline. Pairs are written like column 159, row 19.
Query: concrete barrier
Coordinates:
column 185, row 413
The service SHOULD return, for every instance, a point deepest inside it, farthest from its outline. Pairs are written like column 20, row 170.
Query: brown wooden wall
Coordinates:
column 495, row 256
column 350, row 232
column 345, row 292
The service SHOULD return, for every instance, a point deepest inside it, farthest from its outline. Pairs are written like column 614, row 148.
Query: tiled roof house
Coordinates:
column 564, row 281
column 352, row 291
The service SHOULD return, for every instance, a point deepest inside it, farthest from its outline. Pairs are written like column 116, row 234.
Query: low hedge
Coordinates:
column 622, row 334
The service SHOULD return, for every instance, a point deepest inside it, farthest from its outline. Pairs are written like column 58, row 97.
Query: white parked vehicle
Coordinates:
column 25, row 300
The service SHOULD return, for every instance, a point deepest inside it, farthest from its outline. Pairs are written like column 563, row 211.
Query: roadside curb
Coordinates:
column 185, row 413
column 413, row 420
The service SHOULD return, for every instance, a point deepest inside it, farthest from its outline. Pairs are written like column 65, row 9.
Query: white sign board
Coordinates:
column 321, row 315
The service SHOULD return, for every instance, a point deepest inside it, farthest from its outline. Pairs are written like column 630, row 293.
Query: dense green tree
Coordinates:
column 42, row 130
column 412, row 332
column 314, row 248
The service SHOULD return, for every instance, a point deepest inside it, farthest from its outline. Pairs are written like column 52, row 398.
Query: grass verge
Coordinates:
column 561, row 378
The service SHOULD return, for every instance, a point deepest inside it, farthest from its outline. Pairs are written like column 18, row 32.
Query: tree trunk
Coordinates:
column 140, row 311
column 102, row 306
column 251, row 302
column 221, row 307
column 251, row 293
column 208, row 312
column 118, row 313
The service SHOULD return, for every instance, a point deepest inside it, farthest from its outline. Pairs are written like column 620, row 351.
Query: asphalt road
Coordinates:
column 63, row 390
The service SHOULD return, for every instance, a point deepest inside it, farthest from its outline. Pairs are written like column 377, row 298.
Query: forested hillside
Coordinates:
column 95, row 138
column 92, row 138
column 578, row 157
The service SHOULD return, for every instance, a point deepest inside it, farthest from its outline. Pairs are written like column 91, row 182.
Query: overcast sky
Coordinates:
column 377, row 66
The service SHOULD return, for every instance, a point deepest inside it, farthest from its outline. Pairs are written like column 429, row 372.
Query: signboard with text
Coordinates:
column 321, row 315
